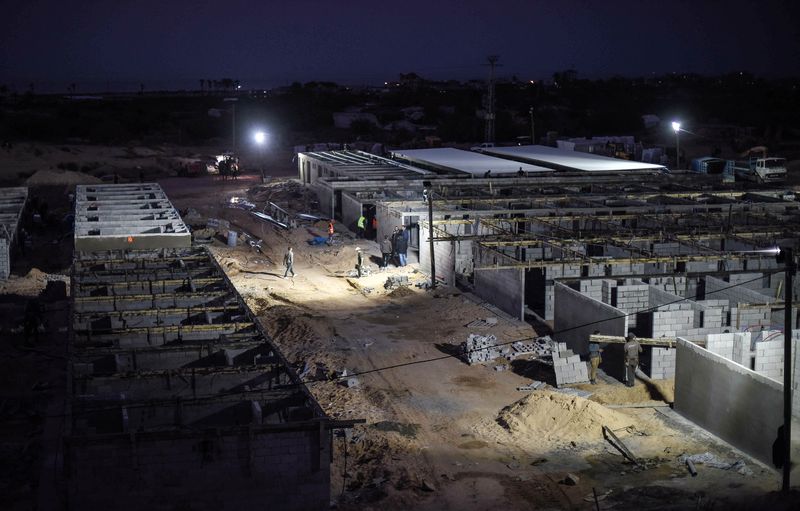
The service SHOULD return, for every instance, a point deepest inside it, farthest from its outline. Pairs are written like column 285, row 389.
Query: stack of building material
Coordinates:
column 568, row 366
column 478, row 349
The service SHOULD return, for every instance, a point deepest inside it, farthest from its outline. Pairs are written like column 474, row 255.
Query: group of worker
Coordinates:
column 395, row 247
column 631, row 350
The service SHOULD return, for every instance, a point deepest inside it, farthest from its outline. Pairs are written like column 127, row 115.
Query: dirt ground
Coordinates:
column 438, row 434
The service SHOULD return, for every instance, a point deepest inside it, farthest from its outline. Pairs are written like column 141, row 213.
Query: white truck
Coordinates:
column 761, row 170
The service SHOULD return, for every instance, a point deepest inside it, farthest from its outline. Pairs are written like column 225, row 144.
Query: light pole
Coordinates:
column 676, row 126
column 260, row 138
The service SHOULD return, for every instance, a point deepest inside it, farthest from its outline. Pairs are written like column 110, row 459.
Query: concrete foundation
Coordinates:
column 177, row 397
column 130, row 217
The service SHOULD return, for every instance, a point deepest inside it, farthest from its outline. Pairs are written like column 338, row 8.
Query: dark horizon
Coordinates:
column 172, row 46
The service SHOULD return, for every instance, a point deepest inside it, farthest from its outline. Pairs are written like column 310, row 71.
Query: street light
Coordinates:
column 676, row 126
column 260, row 137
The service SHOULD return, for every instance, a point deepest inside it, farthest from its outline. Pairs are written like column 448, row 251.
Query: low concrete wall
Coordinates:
column 577, row 316
column 503, row 288
column 738, row 405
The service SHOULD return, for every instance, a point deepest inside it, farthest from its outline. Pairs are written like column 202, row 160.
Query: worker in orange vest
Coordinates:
column 330, row 231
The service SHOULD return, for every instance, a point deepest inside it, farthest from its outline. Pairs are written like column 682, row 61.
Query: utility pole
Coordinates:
column 490, row 101
column 790, row 267
column 429, row 195
column 533, row 132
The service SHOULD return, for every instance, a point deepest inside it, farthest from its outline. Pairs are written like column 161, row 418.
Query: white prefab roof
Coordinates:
column 569, row 160
column 466, row 161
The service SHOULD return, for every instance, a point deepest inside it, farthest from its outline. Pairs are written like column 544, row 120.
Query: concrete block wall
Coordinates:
column 607, row 291
column 721, row 344
column 661, row 363
column 445, row 258
column 717, row 289
column 504, row 288
column 674, row 285
column 740, row 406
column 742, row 350
column 577, row 316
column 556, row 271
column 769, row 358
column 325, row 197
column 672, row 320
column 592, row 288
column 351, row 211
column 568, row 367
column 749, row 318
column 5, row 258
column 212, row 472
column 633, row 296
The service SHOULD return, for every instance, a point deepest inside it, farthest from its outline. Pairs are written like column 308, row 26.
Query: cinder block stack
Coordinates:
column 479, row 349
column 569, row 367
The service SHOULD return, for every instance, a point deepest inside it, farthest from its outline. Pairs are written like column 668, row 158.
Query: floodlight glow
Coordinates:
column 260, row 137
column 676, row 126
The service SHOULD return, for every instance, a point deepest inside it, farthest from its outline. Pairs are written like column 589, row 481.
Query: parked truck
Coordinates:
column 760, row 169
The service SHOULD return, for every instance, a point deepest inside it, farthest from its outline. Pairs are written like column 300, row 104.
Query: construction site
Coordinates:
column 180, row 362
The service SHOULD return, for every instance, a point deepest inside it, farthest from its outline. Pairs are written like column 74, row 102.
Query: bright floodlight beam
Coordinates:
column 260, row 137
column 676, row 126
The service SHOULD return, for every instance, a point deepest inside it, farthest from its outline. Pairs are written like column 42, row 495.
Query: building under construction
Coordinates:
column 175, row 392
column 589, row 245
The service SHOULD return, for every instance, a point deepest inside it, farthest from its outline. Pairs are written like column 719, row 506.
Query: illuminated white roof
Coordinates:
column 466, row 161
column 563, row 159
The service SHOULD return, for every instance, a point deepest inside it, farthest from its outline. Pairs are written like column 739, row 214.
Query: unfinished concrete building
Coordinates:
column 176, row 396
column 12, row 204
column 129, row 216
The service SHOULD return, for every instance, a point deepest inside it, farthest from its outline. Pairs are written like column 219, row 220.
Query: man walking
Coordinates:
column 386, row 250
column 288, row 261
column 594, row 359
column 632, row 349
column 330, row 232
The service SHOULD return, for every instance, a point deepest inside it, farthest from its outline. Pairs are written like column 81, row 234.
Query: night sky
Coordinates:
column 175, row 43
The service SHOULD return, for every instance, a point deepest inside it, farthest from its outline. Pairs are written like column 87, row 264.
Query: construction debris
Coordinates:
column 619, row 445
column 535, row 384
column 482, row 323
column 396, row 281
column 713, row 461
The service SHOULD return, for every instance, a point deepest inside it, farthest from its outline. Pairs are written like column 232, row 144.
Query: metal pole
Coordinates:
column 678, row 149
column 787, row 370
column 533, row 133
column 233, row 127
column 430, row 237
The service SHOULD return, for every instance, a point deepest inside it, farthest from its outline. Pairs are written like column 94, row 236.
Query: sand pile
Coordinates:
column 61, row 177
column 31, row 284
column 557, row 417
column 401, row 291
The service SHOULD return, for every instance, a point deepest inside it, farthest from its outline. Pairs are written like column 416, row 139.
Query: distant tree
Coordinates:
column 202, row 85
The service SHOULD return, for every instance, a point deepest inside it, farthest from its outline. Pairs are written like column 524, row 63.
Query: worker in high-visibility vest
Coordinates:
column 361, row 225
column 330, row 231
